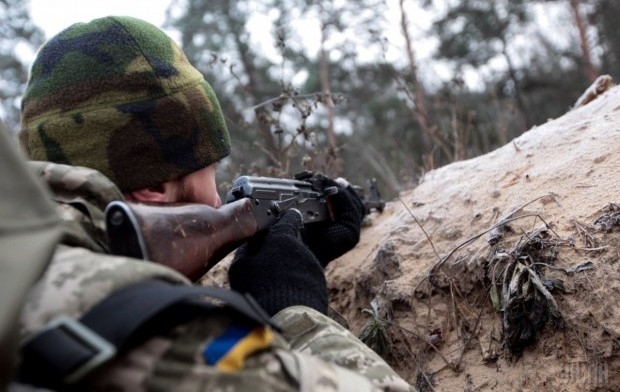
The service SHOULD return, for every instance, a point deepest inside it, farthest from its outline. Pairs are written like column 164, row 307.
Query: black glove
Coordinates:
column 278, row 270
column 331, row 239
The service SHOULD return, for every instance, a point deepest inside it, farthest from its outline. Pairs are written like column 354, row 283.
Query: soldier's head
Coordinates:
column 119, row 96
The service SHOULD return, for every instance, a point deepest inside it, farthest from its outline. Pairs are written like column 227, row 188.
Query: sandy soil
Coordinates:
column 544, row 201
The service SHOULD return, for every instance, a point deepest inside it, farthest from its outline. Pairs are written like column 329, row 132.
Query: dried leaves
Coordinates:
column 610, row 219
column 520, row 290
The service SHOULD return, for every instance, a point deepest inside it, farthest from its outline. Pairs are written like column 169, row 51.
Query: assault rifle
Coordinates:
column 192, row 238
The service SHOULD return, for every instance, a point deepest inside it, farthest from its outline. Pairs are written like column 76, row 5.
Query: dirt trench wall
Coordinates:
column 559, row 177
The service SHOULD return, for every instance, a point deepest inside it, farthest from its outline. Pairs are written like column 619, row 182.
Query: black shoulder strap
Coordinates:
column 68, row 349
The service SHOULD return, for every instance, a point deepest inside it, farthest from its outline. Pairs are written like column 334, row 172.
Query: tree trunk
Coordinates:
column 420, row 111
column 272, row 150
column 512, row 74
column 333, row 159
column 588, row 68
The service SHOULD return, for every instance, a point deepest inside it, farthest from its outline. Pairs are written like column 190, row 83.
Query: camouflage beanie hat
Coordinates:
column 119, row 96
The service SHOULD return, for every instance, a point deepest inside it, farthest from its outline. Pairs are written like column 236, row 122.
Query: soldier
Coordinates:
column 113, row 110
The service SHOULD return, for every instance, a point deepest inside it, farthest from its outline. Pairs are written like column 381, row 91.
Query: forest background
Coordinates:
column 326, row 88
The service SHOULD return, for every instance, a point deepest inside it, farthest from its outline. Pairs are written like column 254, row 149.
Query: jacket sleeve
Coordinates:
column 311, row 332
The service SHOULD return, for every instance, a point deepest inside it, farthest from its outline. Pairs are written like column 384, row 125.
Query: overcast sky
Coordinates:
column 55, row 15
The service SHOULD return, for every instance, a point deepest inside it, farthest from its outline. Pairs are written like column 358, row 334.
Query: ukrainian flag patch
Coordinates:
column 228, row 351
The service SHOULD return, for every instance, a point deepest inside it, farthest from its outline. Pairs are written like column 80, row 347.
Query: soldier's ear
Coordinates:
column 161, row 193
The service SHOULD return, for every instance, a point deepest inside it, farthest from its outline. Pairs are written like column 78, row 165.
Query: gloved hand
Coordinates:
column 331, row 239
column 278, row 270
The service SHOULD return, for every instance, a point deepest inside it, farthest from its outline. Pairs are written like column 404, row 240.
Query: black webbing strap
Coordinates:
column 68, row 349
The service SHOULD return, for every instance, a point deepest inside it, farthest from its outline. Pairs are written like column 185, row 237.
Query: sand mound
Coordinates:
column 499, row 273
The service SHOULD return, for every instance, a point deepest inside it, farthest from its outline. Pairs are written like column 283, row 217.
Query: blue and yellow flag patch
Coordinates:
column 228, row 351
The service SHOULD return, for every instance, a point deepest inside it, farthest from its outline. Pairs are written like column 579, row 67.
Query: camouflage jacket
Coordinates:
column 311, row 353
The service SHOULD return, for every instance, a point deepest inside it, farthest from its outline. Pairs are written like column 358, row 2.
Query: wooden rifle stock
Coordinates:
column 189, row 238
column 192, row 238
